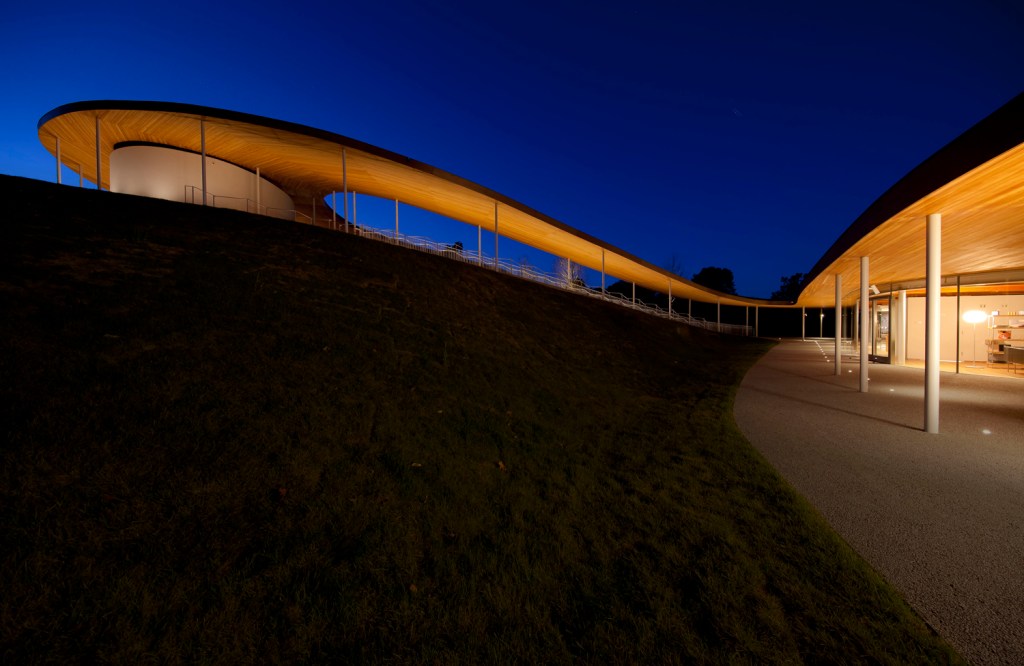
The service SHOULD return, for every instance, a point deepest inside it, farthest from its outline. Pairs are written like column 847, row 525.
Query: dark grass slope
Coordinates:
column 230, row 439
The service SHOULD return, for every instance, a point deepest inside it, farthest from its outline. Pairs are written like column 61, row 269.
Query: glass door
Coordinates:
column 880, row 310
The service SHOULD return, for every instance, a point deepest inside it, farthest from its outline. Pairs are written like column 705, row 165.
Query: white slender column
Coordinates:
column 99, row 164
column 839, row 329
column 757, row 314
column 958, row 315
column 259, row 189
column 479, row 245
column 355, row 212
column 634, row 293
column 344, row 185
column 689, row 308
column 670, row 298
column 933, row 296
column 602, row 270
column 901, row 329
column 202, row 145
column 58, row 160
column 856, row 325
column 396, row 219
column 865, row 324
column 495, row 235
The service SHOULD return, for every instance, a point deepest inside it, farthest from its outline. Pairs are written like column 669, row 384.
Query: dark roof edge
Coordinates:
column 997, row 133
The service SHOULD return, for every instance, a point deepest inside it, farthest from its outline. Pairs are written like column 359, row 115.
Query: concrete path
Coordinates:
column 941, row 516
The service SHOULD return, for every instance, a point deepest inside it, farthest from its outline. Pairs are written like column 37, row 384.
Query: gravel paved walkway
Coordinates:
column 940, row 516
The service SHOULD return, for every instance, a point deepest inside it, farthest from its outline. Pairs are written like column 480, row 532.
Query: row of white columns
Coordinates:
column 334, row 201
column 99, row 160
column 344, row 180
column 81, row 178
column 933, row 295
column 933, row 281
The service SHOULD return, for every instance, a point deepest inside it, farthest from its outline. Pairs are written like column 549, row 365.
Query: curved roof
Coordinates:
column 976, row 183
column 307, row 162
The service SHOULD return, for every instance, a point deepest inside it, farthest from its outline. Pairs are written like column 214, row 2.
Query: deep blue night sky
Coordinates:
column 747, row 135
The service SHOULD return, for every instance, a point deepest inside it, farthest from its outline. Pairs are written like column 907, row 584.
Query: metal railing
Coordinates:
column 194, row 195
column 528, row 272
column 296, row 216
column 518, row 269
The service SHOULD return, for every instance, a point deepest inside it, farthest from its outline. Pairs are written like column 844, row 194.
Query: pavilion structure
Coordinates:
column 911, row 280
column 203, row 155
column 939, row 253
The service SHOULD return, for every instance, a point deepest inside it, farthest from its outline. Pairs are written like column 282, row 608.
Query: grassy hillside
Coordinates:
column 228, row 439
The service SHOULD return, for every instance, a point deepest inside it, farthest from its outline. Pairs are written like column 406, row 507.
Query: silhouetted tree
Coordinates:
column 674, row 264
column 570, row 272
column 789, row 288
column 719, row 279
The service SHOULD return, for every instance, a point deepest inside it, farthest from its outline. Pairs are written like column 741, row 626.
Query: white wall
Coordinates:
column 970, row 348
column 168, row 173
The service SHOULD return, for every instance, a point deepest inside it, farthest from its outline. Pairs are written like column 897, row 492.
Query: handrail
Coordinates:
column 476, row 257
column 250, row 205
column 528, row 272
column 193, row 189
column 294, row 213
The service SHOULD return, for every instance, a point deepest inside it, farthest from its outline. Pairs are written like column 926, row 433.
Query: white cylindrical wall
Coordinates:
column 176, row 175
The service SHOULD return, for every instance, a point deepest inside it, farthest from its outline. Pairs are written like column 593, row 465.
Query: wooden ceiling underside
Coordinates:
column 976, row 183
column 308, row 163
column 982, row 230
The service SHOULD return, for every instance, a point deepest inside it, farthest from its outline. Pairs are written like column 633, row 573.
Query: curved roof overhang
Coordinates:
column 976, row 183
column 307, row 162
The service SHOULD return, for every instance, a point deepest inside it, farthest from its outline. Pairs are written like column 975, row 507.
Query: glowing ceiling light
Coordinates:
column 974, row 316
